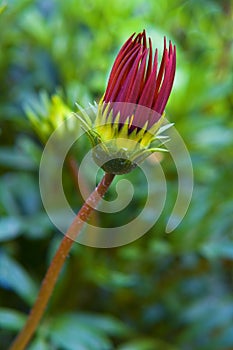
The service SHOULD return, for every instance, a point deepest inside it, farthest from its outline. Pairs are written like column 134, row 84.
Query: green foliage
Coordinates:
column 162, row 291
column 12, row 320
column 72, row 331
column 13, row 276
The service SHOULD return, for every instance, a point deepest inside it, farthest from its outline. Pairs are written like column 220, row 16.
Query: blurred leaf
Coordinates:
column 39, row 344
column 9, row 228
column 206, row 319
column 71, row 333
column 36, row 226
column 13, row 276
column 33, row 22
column 221, row 249
column 214, row 136
column 11, row 319
column 2, row 8
column 107, row 324
column 19, row 194
column 15, row 159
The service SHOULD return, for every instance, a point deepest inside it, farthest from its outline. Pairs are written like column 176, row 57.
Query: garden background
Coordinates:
column 163, row 291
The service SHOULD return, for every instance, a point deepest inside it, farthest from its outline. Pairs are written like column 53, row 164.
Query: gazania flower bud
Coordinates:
column 132, row 106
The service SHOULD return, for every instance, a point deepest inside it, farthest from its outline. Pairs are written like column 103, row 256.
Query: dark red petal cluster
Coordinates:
column 136, row 79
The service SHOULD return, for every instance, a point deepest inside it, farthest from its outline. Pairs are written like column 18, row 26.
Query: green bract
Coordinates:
column 115, row 149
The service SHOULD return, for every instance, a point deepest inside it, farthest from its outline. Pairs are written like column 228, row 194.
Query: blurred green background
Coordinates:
column 164, row 291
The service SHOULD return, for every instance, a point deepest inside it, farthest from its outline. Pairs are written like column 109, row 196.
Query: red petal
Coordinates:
column 167, row 83
column 120, row 71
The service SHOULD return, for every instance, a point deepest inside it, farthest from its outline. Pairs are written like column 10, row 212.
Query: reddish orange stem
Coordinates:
column 55, row 267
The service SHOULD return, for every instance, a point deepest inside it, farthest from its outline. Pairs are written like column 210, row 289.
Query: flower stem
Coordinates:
column 55, row 267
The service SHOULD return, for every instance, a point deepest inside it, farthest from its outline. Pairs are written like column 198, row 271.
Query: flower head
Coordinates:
column 135, row 78
column 133, row 104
